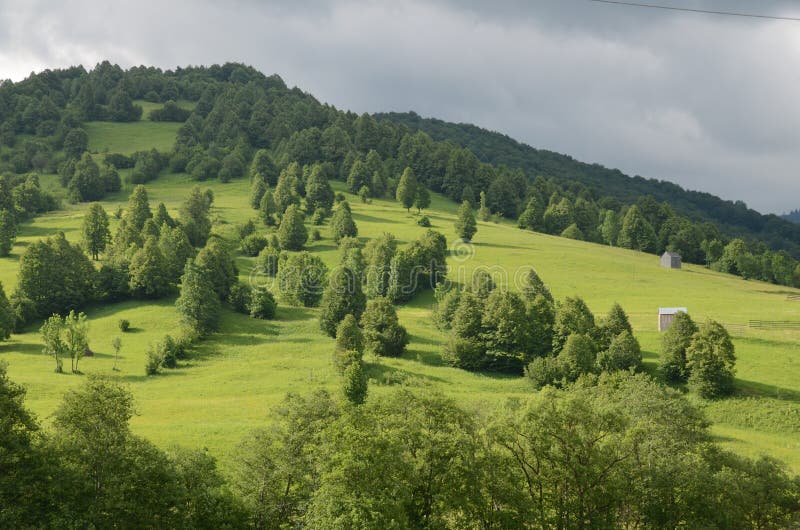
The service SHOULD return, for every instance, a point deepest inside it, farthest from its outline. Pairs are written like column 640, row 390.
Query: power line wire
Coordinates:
column 690, row 10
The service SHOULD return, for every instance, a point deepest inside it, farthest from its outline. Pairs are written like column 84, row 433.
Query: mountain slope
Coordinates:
column 496, row 148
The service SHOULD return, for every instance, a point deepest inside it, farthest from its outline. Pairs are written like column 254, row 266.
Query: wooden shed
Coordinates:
column 666, row 315
column 671, row 260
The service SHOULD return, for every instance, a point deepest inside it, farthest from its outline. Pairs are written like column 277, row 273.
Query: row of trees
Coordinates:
column 620, row 452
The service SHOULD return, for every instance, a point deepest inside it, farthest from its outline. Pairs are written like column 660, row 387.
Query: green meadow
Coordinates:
column 231, row 381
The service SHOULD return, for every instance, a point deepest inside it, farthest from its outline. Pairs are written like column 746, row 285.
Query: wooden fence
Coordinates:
column 774, row 324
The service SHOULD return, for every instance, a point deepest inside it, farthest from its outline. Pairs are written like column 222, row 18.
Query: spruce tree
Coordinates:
column 343, row 296
column 301, row 279
column 268, row 208
column 615, row 323
column 342, row 224
column 577, row 357
column 407, row 189
column 623, row 353
column 292, row 233
column 466, row 227
column 198, row 303
column 358, row 177
column 95, row 230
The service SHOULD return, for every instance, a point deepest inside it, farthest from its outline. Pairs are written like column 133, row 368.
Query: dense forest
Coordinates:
column 600, row 445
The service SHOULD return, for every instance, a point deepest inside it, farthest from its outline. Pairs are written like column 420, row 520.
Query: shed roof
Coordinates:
column 671, row 254
column 671, row 310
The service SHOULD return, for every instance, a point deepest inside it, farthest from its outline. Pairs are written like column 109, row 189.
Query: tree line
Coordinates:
column 620, row 451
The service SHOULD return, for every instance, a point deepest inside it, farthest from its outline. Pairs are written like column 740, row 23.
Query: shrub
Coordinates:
column 253, row 244
column 268, row 260
column 315, row 235
column 544, row 371
column 624, row 353
column 424, row 221
column 383, row 334
column 577, row 357
column 239, row 298
column 262, row 304
column 319, row 217
column 153, row 360
column 124, row 325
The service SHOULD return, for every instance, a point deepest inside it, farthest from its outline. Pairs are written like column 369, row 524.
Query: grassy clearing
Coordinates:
column 229, row 386
column 127, row 138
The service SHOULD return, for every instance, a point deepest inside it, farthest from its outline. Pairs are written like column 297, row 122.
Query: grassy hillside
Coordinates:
column 228, row 388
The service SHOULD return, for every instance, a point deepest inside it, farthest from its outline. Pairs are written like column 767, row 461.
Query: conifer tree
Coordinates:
column 342, row 224
column 711, row 362
column 264, row 167
column 466, row 227
column 319, row 194
column 176, row 248
column 636, row 232
column 349, row 343
column 7, row 316
column 292, row 233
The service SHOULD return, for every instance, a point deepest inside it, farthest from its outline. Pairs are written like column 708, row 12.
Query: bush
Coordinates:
column 383, row 334
column 424, row 221
column 124, row 325
column 319, row 217
column 339, row 197
column 544, row 371
column 315, row 235
column 268, row 260
column 624, row 353
column 240, row 297
column 262, row 304
column 253, row 244
column 153, row 360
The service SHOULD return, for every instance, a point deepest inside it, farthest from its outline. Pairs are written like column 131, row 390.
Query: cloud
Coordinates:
column 705, row 101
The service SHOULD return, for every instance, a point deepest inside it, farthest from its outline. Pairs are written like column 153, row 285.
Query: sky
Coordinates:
column 706, row 101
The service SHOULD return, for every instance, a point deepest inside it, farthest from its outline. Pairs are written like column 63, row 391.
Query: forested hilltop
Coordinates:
column 733, row 218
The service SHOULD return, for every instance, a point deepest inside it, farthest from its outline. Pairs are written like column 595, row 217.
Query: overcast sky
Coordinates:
column 707, row 101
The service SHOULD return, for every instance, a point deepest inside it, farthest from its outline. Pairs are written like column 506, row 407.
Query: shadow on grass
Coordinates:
column 388, row 376
column 25, row 348
column 755, row 389
column 165, row 372
column 371, row 219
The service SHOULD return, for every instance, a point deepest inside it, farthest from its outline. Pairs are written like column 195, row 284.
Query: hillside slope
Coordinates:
column 250, row 365
column 496, row 148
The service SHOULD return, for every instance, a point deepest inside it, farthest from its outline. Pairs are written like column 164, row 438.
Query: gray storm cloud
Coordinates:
column 706, row 101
